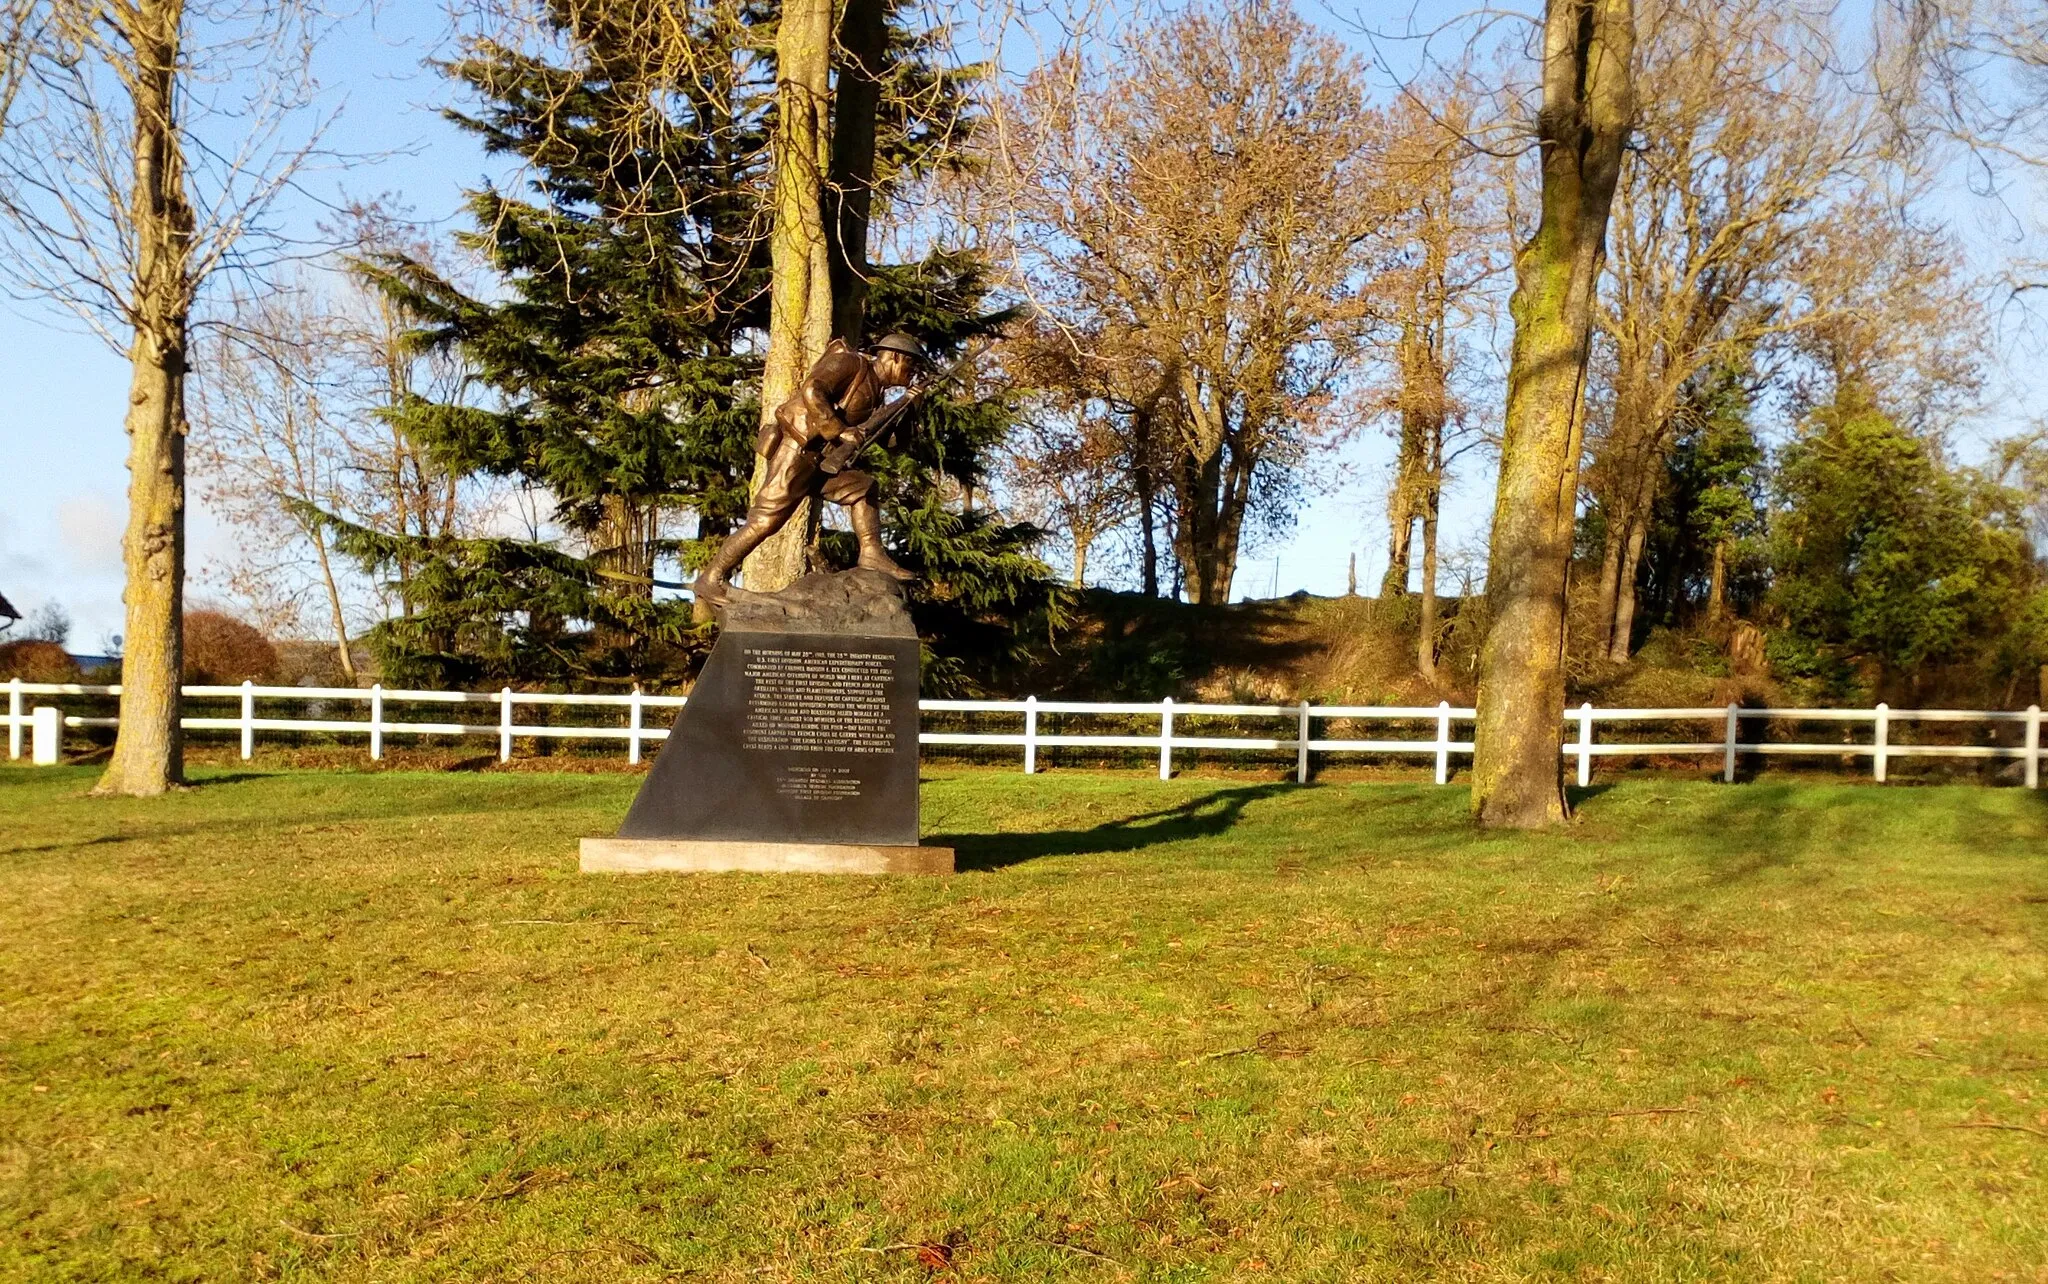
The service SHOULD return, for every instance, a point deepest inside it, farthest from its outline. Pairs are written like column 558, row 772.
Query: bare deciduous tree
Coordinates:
column 148, row 140
column 1971, row 76
column 1440, row 283
column 1080, row 465
column 1067, row 475
column 1751, row 146
column 268, row 450
column 20, row 35
column 1886, row 304
column 292, row 423
column 1204, row 205
column 396, row 486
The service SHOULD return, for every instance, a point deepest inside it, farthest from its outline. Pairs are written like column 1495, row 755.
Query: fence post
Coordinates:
column 1883, row 726
column 248, row 719
column 633, row 725
column 1443, row 742
column 1728, row 757
column 505, row 725
column 1030, row 735
column 376, row 721
column 14, row 717
column 1301, row 748
column 1585, row 745
column 1166, row 738
column 47, row 744
column 2033, row 746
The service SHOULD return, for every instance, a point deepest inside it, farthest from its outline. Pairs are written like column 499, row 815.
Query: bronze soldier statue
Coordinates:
column 808, row 444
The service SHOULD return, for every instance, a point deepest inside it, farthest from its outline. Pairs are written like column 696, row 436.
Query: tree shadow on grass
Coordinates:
column 1579, row 795
column 1749, row 831
column 96, row 841
column 228, row 778
column 1208, row 816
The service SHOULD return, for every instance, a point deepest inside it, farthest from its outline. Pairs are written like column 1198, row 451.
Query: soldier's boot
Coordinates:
column 711, row 583
column 866, row 517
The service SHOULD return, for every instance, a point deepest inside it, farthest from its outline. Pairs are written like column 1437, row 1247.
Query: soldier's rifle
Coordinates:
column 876, row 427
column 879, row 425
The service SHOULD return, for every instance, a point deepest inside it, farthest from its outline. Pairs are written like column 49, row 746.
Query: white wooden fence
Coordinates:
column 1582, row 743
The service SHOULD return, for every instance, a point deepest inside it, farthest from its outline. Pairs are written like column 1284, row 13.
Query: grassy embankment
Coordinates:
column 339, row 1026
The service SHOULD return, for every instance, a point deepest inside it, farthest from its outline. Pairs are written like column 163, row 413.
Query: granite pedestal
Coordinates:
column 797, row 750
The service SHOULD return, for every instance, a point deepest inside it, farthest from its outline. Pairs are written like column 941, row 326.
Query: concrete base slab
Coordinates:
column 706, row 856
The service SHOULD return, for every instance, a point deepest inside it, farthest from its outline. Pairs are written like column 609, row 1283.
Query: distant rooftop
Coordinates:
column 7, row 610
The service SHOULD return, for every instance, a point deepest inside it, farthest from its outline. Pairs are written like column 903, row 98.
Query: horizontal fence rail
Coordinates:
column 1580, row 743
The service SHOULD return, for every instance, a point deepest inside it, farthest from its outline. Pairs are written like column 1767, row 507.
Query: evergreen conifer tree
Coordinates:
column 1885, row 554
column 620, row 351
column 617, row 381
column 1702, row 554
column 982, row 589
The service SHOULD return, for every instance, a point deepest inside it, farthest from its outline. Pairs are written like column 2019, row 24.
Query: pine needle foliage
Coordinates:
column 983, row 592
column 609, row 350
column 618, row 353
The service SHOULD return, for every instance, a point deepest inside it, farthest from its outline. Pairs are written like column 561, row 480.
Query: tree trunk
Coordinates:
column 1717, row 583
column 1212, row 484
column 1425, row 635
column 1610, row 578
column 1147, row 534
column 800, row 290
column 1206, row 545
column 1583, row 125
column 1411, row 461
column 1147, row 487
column 340, row 617
column 1621, row 635
column 1401, row 507
column 849, row 197
column 1237, row 499
column 1081, row 562
column 1400, row 530
column 148, row 755
column 623, row 545
column 1625, row 541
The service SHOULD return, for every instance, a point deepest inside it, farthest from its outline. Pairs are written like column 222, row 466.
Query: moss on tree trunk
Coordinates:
column 800, row 294
column 1517, row 770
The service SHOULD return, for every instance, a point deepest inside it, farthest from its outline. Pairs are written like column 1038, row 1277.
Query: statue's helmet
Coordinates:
column 901, row 341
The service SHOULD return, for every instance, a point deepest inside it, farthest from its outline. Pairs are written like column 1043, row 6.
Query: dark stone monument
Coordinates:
column 797, row 750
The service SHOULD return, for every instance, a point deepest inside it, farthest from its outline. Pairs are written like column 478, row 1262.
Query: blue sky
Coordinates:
column 62, row 478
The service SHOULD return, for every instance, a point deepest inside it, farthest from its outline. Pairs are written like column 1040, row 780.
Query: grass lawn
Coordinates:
column 348, row 1026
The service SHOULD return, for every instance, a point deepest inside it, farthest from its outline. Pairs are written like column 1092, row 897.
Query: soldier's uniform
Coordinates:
column 838, row 395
